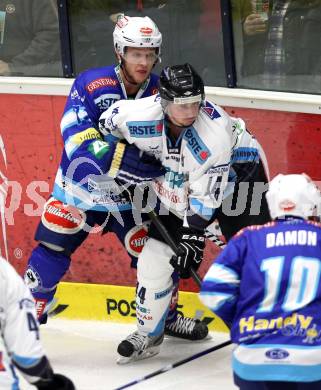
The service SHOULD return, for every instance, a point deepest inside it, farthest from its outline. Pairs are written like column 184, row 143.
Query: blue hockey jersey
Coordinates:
column 85, row 155
column 266, row 286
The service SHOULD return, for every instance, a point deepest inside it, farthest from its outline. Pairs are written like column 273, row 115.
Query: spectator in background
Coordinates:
column 29, row 38
column 93, row 22
column 281, row 39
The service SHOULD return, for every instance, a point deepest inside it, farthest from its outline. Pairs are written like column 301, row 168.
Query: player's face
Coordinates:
column 139, row 62
column 183, row 114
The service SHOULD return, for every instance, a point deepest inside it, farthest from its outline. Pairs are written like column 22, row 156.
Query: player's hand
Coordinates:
column 189, row 252
column 254, row 24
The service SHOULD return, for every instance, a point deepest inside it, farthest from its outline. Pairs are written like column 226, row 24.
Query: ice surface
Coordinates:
column 86, row 352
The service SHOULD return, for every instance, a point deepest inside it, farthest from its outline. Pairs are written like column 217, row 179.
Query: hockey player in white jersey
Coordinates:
column 20, row 346
column 195, row 140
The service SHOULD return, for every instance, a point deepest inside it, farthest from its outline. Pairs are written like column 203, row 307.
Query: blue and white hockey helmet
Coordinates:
column 295, row 195
column 138, row 32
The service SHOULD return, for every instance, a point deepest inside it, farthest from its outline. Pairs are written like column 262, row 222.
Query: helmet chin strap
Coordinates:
column 128, row 78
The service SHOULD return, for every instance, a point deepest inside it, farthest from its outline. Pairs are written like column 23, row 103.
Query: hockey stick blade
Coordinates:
column 177, row 364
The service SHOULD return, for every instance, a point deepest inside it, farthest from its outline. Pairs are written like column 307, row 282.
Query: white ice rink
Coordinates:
column 86, row 352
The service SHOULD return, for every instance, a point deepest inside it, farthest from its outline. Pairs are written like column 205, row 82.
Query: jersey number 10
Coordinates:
column 302, row 284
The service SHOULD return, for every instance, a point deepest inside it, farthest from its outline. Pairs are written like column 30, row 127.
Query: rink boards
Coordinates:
column 287, row 126
column 116, row 303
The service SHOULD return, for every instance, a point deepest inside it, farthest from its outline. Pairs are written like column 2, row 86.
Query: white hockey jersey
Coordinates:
column 197, row 163
column 19, row 339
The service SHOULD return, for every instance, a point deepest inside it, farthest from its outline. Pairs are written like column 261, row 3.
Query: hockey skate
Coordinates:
column 138, row 346
column 187, row 328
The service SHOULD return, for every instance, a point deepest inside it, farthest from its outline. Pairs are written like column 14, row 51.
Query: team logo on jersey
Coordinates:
column 219, row 170
column 245, row 154
column 196, row 146
column 135, row 239
column 32, row 279
column 98, row 149
column 145, row 129
column 277, row 354
column 40, row 306
column 174, row 179
column 166, row 193
column 155, row 151
column 100, row 83
column 108, row 124
column 74, row 94
column 86, row 135
column 105, row 101
column 61, row 218
column 238, row 126
column 209, row 110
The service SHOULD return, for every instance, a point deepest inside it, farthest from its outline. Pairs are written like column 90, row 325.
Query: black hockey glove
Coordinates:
column 56, row 382
column 189, row 252
column 131, row 165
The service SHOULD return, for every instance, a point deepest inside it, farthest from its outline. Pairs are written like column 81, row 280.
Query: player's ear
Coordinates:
column 117, row 55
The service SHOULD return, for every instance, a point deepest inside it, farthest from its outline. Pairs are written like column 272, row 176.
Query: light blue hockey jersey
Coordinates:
column 266, row 284
column 86, row 151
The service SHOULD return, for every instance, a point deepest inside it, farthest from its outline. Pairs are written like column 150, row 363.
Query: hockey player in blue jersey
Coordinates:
column 78, row 203
column 82, row 196
column 266, row 286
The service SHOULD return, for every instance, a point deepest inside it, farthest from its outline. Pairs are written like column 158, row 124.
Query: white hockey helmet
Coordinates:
column 295, row 195
column 136, row 32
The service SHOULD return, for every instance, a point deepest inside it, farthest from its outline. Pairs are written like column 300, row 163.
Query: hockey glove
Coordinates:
column 131, row 165
column 56, row 382
column 189, row 252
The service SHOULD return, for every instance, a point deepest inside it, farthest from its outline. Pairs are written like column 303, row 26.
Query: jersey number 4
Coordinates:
column 32, row 324
column 302, row 284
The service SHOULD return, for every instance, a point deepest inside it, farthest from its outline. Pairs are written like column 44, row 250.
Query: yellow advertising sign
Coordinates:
column 117, row 303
